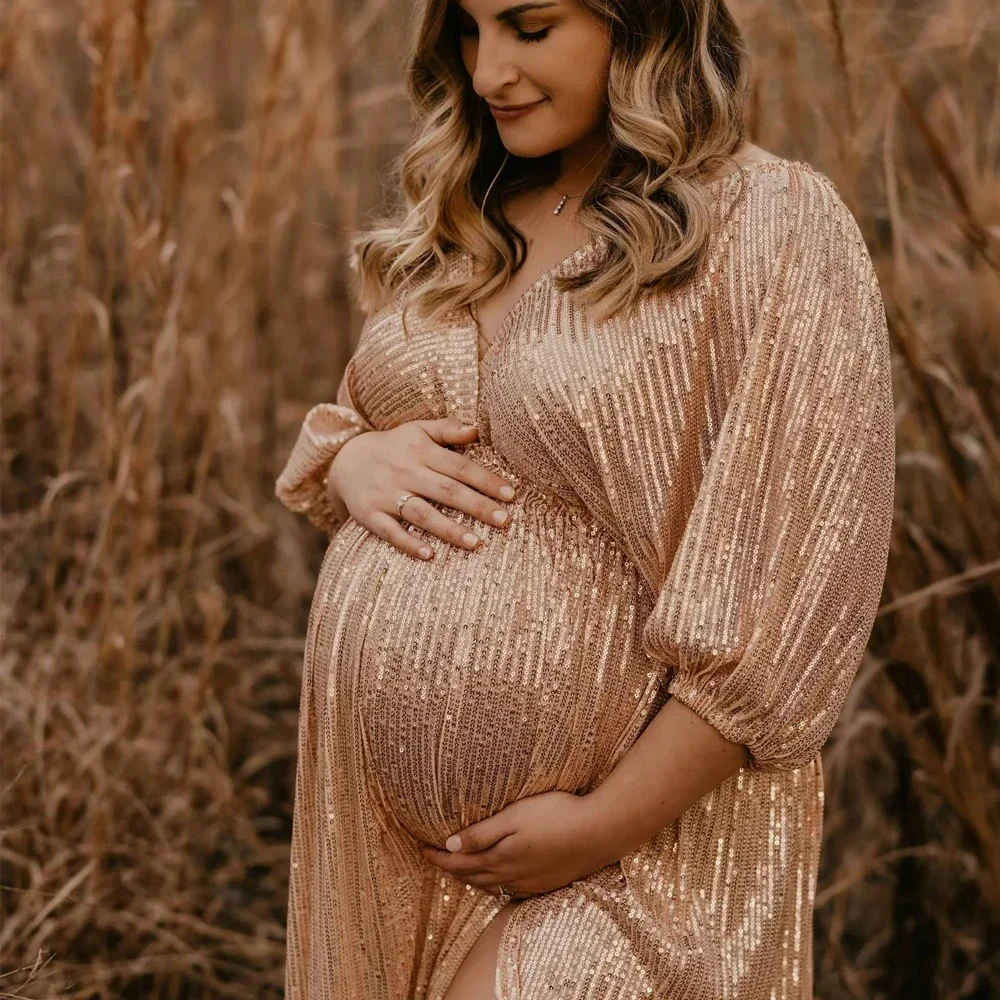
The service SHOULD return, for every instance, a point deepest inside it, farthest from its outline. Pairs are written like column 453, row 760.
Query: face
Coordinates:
column 552, row 54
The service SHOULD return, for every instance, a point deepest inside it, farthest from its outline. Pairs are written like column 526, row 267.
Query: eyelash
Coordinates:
column 531, row 36
column 522, row 36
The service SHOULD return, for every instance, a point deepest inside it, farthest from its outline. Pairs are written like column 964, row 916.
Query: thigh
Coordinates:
column 477, row 973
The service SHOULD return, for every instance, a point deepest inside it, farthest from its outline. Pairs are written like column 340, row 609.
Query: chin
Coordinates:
column 527, row 152
column 528, row 148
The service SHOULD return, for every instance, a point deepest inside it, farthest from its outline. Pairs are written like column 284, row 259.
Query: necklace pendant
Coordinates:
column 558, row 207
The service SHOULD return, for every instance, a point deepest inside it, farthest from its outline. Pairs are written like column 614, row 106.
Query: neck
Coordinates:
column 580, row 163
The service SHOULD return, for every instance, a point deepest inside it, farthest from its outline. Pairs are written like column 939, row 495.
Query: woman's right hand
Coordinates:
column 373, row 469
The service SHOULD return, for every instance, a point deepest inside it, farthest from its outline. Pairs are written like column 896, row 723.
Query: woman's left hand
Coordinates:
column 534, row 845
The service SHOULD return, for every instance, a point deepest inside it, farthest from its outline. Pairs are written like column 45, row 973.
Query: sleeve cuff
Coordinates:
column 301, row 485
column 766, row 754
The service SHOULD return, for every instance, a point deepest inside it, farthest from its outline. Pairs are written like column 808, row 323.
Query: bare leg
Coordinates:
column 477, row 973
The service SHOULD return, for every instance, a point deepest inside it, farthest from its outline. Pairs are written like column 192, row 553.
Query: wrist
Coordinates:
column 603, row 831
column 331, row 488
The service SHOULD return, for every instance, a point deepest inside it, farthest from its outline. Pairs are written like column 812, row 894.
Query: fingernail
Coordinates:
column 499, row 516
column 506, row 491
column 454, row 842
column 467, row 427
column 425, row 552
column 470, row 539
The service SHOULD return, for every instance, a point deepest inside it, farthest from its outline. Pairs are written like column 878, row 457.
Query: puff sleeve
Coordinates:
column 770, row 597
column 327, row 427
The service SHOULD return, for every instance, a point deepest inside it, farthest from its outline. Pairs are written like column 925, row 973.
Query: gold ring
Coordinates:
column 505, row 894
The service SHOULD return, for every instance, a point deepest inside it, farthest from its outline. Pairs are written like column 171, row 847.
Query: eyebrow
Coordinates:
column 509, row 13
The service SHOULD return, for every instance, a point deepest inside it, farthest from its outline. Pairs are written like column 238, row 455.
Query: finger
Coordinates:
column 484, row 881
column 459, row 467
column 482, row 835
column 489, row 879
column 457, row 432
column 446, row 430
column 452, row 492
column 390, row 530
column 459, row 865
column 419, row 512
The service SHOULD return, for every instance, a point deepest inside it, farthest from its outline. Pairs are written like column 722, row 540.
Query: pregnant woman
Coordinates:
column 564, row 742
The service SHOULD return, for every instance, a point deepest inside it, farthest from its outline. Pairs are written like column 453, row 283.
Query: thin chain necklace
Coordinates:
column 474, row 305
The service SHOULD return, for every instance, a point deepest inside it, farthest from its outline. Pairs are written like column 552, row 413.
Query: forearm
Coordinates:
column 677, row 759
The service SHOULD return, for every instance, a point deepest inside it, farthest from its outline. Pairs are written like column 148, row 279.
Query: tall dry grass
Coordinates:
column 178, row 182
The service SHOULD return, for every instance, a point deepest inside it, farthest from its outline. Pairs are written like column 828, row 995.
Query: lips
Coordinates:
column 514, row 110
column 514, row 107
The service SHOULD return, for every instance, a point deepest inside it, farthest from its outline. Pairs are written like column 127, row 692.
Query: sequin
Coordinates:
column 704, row 498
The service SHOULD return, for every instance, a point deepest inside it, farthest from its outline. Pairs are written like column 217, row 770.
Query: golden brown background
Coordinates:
column 179, row 181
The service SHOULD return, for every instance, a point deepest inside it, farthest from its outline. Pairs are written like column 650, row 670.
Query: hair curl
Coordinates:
column 675, row 114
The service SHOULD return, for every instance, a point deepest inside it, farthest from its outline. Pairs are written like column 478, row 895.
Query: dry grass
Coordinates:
column 178, row 181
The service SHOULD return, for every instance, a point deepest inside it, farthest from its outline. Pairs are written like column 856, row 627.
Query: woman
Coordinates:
column 577, row 754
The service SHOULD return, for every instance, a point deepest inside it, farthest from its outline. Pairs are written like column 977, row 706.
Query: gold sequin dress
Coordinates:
column 704, row 498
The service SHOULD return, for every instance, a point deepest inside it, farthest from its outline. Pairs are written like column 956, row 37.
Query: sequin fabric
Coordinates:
column 704, row 499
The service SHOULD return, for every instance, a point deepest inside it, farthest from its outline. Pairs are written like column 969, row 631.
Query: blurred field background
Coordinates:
column 179, row 181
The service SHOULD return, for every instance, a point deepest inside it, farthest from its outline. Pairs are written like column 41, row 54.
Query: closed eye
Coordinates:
column 467, row 31
column 531, row 36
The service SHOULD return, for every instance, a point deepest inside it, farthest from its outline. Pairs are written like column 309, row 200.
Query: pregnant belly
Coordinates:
column 459, row 685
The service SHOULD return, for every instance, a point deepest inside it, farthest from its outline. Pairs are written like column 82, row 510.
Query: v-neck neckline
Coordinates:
column 502, row 329
column 482, row 366
column 597, row 240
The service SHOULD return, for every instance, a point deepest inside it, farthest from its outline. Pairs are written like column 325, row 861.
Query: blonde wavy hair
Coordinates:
column 675, row 115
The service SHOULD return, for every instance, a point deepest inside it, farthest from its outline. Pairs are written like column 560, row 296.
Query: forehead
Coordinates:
column 501, row 9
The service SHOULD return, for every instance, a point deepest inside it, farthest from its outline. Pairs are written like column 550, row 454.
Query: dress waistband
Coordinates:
column 544, row 503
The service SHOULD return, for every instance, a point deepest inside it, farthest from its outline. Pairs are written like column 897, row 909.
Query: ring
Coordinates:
column 505, row 894
column 401, row 501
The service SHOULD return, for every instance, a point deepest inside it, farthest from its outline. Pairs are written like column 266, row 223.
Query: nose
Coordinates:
column 494, row 71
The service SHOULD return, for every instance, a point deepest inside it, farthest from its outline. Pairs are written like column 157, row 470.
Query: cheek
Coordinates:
column 579, row 74
column 587, row 98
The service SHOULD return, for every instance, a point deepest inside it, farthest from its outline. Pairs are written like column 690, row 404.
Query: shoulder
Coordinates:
column 800, row 218
column 806, row 201
column 795, row 188
column 776, row 204
column 822, row 289
column 783, row 224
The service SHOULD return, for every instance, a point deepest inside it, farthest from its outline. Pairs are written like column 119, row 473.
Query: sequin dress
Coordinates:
column 704, row 498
